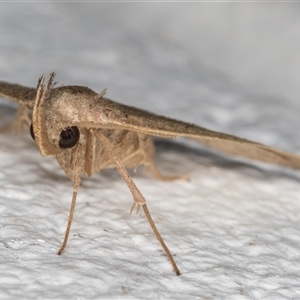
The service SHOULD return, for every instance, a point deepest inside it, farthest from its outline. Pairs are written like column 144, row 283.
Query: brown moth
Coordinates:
column 87, row 133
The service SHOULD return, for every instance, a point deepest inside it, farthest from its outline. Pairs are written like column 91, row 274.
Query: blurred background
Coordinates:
column 250, row 43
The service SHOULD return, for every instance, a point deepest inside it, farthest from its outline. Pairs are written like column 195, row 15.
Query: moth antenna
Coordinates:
column 50, row 84
column 40, row 81
column 39, row 119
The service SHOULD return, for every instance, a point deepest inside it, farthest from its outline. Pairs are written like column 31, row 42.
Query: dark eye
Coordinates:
column 31, row 132
column 69, row 137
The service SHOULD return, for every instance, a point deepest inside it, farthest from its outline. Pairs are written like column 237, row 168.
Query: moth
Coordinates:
column 87, row 133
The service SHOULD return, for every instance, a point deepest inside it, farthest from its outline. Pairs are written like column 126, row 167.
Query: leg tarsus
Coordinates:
column 160, row 239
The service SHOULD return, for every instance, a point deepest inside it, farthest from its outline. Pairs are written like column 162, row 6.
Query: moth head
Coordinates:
column 52, row 132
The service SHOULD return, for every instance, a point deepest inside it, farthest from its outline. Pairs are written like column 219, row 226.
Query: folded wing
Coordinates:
column 18, row 93
column 130, row 118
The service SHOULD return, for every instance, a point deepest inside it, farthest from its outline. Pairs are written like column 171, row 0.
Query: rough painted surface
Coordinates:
column 233, row 228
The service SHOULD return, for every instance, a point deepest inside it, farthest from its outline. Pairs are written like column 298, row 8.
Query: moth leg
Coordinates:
column 21, row 121
column 76, row 185
column 148, row 148
column 158, row 175
column 139, row 199
column 75, row 177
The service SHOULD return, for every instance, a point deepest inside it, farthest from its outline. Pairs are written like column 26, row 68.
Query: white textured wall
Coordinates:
column 234, row 228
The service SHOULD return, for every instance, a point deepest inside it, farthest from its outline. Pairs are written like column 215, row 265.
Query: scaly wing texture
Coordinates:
column 130, row 118
column 21, row 94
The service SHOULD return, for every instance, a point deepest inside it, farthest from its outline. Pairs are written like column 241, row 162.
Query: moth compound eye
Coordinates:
column 69, row 137
column 31, row 132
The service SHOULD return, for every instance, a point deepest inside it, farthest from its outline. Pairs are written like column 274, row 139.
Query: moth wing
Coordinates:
column 18, row 93
column 140, row 121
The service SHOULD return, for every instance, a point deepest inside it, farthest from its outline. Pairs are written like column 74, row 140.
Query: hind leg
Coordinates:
column 21, row 121
column 148, row 148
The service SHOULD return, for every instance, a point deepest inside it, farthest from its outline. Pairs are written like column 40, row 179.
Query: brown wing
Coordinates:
column 130, row 118
column 21, row 94
column 119, row 116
